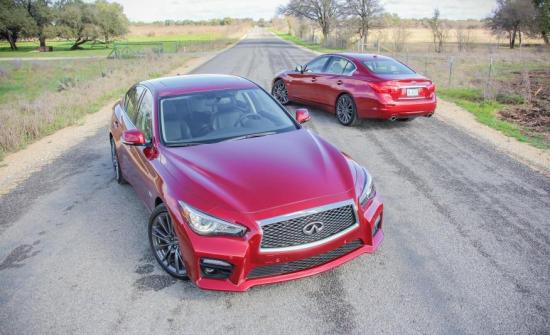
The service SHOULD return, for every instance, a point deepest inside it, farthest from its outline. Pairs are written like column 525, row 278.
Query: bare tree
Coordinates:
column 463, row 37
column 367, row 12
column 399, row 36
column 323, row 12
column 439, row 31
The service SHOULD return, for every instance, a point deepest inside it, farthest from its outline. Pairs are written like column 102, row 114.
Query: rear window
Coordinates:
column 386, row 66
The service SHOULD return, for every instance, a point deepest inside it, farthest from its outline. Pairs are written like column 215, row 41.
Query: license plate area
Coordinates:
column 412, row 92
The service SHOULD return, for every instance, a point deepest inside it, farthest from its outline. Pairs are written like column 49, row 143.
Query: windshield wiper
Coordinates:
column 265, row 133
column 188, row 144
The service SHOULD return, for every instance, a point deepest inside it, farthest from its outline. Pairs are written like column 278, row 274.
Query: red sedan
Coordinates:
column 355, row 86
column 240, row 193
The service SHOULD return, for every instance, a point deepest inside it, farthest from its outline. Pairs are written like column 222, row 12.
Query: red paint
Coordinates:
column 376, row 96
column 243, row 182
column 302, row 115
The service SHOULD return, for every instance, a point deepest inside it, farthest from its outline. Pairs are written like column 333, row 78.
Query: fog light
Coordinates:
column 376, row 225
column 215, row 268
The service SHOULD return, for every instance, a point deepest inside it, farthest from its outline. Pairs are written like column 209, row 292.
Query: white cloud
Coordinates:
column 141, row 10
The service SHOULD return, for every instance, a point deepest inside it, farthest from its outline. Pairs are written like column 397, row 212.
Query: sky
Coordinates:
column 141, row 10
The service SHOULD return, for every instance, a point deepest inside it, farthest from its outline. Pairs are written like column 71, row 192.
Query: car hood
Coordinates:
column 256, row 174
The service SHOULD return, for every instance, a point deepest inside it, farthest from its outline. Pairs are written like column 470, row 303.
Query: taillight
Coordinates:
column 386, row 87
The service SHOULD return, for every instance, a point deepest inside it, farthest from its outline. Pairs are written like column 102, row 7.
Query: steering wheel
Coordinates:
column 248, row 116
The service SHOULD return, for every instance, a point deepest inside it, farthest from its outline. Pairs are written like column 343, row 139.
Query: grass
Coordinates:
column 63, row 48
column 312, row 46
column 485, row 112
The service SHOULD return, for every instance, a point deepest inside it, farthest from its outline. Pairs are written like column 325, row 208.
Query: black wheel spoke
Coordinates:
column 166, row 245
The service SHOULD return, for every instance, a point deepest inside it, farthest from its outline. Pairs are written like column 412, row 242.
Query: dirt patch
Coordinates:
column 534, row 113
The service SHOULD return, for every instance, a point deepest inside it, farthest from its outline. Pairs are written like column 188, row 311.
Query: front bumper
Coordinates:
column 243, row 253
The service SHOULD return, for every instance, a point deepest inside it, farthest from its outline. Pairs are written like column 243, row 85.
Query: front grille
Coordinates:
column 289, row 231
column 282, row 268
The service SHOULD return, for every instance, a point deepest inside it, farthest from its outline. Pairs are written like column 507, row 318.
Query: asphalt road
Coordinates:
column 467, row 248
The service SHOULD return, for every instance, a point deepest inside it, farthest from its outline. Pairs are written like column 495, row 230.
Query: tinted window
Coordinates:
column 337, row 65
column 143, row 121
column 131, row 102
column 214, row 116
column 348, row 70
column 386, row 66
column 317, row 65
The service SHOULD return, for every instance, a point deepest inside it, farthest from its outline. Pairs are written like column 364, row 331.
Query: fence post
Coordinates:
column 451, row 61
column 488, row 94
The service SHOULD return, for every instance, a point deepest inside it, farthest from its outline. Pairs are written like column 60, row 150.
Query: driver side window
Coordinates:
column 131, row 102
column 144, row 119
column 317, row 65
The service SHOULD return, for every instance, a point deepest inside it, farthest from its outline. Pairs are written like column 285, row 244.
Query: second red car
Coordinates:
column 355, row 86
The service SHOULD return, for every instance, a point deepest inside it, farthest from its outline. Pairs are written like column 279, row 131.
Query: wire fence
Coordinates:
column 128, row 49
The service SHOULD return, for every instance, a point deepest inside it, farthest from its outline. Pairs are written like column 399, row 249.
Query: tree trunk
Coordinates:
column 12, row 40
column 78, row 43
column 42, row 40
column 513, row 38
column 545, row 37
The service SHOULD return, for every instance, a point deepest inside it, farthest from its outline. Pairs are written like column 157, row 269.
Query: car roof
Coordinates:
column 358, row 57
column 183, row 84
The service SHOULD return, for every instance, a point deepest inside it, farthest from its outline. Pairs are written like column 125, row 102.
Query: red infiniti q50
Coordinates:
column 355, row 86
column 240, row 193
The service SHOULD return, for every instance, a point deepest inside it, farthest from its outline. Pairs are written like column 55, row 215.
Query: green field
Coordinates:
column 312, row 46
column 62, row 48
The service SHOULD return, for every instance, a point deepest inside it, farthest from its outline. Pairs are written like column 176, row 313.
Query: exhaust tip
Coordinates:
column 393, row 118
column 430, row 115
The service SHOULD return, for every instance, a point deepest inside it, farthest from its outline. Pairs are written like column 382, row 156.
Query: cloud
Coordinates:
column 141, row 10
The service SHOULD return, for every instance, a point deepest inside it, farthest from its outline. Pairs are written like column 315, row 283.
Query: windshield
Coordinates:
column 386, row 66
column 214, row 116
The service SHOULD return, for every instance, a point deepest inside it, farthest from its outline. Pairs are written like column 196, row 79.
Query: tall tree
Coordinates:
column 367, row 12
column 323, row 12
column 512, row 17
column 42, row 14
column 14, row 21
column 439, row 31
column 77, row 20
column 111, row 19
column 542, row 21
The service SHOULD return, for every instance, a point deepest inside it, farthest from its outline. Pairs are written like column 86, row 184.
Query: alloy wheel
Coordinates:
column 345, row 110
column 116, row 166
column 279, row 92
column 166, row 245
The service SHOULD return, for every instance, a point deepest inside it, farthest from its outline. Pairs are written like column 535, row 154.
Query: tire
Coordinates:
column 116, row 165
column 346, row 111
column 165, row 244
column 279, row 92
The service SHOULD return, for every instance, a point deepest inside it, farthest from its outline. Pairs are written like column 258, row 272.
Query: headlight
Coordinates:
column 204, row 224
column 368, row 190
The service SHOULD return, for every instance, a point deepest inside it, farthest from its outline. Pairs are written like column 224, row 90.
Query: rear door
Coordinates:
column 305, row 84
column 336, row 78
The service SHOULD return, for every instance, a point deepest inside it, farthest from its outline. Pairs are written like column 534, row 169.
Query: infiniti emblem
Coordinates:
column 313, row 227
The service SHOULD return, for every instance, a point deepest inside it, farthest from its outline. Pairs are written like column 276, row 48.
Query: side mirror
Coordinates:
column 302, row 115
column 133, row 137
column 299, row 68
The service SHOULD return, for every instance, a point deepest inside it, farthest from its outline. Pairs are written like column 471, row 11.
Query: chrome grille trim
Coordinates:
column 304, row 213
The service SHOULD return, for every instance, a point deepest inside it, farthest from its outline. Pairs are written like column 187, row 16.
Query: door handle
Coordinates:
column 313, row 79
column 339, row 82
column 115, row 124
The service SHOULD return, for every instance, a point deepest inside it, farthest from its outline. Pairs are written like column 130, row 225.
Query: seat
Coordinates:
column 175, row 127
column 226, row 117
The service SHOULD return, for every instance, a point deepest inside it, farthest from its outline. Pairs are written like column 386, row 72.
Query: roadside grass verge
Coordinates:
column 312, row 46
column 39, row 97
column 485, row 112
column 63, row 48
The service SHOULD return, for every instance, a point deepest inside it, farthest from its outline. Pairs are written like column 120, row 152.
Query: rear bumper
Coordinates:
column 244, row 255
column 399, row 109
